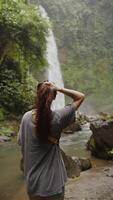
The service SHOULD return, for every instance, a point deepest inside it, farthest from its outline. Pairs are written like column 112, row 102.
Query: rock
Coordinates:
column 106, row 169
column 5, row 139
column 109, row 172
column 75, row 165
column 92, row 118
column 103, row 115
column 73, row 168
column 72, row 128
column 85, row 127
column 85, row 164
column 101, row 141
column 81, row 118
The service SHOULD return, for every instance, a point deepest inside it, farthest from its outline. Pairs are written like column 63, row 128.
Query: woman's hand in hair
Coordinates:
column 52, row 85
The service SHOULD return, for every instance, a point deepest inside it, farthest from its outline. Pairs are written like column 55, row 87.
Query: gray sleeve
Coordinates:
column 21, row 133
column 67, row 115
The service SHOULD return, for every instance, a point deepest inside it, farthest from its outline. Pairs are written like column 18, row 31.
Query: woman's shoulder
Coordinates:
column 27, row 115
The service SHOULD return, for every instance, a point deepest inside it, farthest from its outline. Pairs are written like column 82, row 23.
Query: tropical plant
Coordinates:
column 22, row 47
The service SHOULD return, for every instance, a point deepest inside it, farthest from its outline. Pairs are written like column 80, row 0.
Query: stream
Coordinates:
column 12, row 186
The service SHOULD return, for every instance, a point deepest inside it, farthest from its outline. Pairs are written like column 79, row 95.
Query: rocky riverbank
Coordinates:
column 94, row 184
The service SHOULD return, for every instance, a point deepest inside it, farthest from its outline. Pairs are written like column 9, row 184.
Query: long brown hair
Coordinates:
column 45, row 96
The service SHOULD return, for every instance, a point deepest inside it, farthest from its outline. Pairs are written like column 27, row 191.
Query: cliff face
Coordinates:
column 84, row 35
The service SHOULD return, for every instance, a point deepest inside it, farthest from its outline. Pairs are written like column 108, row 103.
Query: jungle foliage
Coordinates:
column 22, row 48
column 84, row 34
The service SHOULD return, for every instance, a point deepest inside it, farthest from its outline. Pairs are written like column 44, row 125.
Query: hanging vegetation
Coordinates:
column 22, row 48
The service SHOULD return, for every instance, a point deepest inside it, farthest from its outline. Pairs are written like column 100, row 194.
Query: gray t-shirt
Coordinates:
column 43, row 164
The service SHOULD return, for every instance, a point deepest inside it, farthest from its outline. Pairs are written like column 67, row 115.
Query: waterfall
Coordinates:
column 54, row 73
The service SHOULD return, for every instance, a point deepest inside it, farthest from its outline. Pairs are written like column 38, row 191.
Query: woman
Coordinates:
column 39, row 135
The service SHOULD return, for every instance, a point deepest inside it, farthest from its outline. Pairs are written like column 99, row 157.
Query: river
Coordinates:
column 12, row 186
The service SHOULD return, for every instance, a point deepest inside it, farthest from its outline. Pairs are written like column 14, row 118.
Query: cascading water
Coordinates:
column 54, row 73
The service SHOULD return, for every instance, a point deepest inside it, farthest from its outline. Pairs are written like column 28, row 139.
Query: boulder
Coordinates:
column 5, row 139
column 75, row 165
column 85, row 164
column 72, row 128
column 72, row 167
column 101, row 140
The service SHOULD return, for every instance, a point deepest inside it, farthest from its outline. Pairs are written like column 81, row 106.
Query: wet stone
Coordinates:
column 5, row 139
